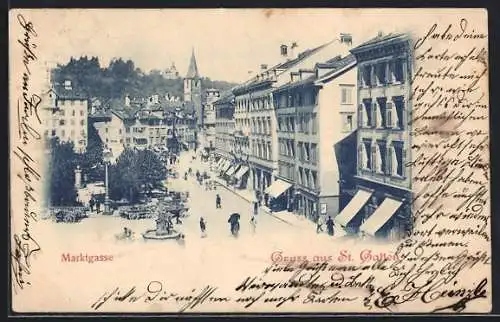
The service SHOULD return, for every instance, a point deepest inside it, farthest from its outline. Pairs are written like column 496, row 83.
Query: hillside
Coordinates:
column 121, row 78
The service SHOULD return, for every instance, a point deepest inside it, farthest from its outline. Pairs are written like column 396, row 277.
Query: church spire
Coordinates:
column 193, row 68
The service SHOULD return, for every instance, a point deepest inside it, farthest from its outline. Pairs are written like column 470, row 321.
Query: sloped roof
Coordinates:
column 193, row 68
column 281, row 66
column 379, row 39
column 73, row 93
column 334, row 67
column 338, row 65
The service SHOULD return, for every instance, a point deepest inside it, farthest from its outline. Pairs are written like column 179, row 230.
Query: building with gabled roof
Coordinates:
column 381, row 204
column 256, row 141
column 316, row 117
column 65, row 111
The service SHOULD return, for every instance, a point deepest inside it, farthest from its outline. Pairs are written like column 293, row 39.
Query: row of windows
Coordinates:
column 72, row 102
column 255, row 104
column 380, row 157
column 382, row 113
column 73, row 113
column 287, row 170
column 62, row 122
column 296, row 98
column 62, row 133
column 304, row 123
column 308, row 178
column 306, row 151
column 383, row 73
column 261, row 125
column 262, row 150
column 305, row 177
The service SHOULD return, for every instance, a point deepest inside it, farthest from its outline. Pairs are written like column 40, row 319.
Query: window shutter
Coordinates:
column 389, row 117
column 360, row 156
column 403, row 161
column 373, row 80
column 404, row 70
column 374, row 158
column 389, row 163
column 374, row 114
column 360, row 115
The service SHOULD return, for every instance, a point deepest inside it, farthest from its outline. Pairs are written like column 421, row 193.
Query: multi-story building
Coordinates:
column 66, row 110
column 225, row 126
column 316, row 113
column 208, row 141
column 155, row 123
column 256, row 125
column 381, row 205
column 111, row 129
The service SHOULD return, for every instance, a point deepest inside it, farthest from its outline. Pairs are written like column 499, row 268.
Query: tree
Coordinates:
column 135, row 172
column 62, row 167
column 122, row 77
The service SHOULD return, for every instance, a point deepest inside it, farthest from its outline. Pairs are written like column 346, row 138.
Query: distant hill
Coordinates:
column 121, row 78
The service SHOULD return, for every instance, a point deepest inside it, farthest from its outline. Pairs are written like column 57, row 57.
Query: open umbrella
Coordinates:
column 234, row 217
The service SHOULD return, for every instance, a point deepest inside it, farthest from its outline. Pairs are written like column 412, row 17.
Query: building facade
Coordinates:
column 316, row 115
column 154, row 123
column 225, row 126
column 208, row 136
column 381, row 206
column 255, row 117
column 66, row 110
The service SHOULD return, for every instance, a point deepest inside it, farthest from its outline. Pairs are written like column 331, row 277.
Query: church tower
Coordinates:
column 192, row 89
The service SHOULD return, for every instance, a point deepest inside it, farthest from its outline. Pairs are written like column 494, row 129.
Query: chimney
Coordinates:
column 292, row 49
column 284, row 51
column 346, row 39
column 67, row 85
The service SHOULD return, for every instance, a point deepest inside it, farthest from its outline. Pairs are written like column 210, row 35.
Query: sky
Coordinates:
column 228, row 43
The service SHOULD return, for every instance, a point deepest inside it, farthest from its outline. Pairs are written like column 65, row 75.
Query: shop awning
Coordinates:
column 241, row 172
column 219, row 163
column 226, row 166
column 353, row 207
column 381, row 215
column 277, row 188
column 231, row 170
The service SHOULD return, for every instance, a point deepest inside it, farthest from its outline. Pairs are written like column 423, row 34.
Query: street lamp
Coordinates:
column 107, row 157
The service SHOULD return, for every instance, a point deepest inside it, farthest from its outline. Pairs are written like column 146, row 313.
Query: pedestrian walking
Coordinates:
column 319, row 224
column 329, row 226
column 203, row 227
column 253, row 223
column 255, row 208
column 98, row 206
column 218, row 201
column 91, row 204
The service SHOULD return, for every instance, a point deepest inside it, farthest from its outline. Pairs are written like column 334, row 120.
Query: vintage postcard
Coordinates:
column 249, row 161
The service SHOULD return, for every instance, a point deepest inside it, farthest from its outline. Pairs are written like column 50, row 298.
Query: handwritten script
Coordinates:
column 450, row 170
column 24, row 245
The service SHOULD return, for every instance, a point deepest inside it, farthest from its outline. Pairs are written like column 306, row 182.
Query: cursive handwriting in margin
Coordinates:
column 24, row 245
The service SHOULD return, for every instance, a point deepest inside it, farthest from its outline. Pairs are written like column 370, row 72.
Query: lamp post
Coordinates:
column 107, row 155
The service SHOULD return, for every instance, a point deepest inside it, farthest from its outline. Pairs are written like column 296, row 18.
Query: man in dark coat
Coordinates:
column 218, row 201
column 329, row 226
column 98, row 206
column 91, row 204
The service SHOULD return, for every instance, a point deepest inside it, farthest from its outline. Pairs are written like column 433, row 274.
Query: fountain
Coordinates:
column 164, row 228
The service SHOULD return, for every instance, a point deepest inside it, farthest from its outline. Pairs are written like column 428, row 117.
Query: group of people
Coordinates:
column 329, row 225
column 94, row 203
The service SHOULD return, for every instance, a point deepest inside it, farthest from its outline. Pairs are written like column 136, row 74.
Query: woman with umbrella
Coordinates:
column 234, row 220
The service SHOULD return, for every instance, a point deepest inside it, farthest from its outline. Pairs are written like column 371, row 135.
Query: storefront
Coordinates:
column 241, row 176
column 277, row 195
column 377, row 210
